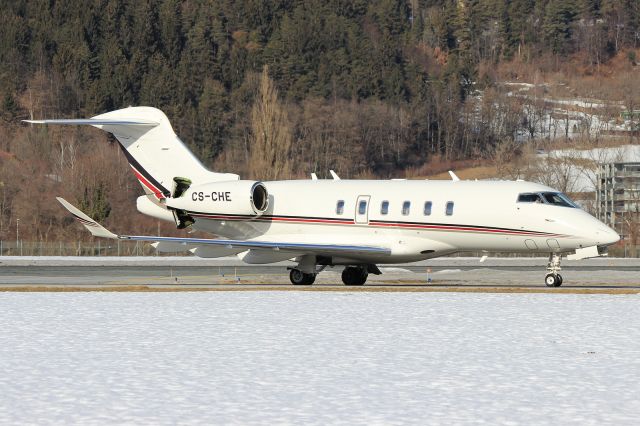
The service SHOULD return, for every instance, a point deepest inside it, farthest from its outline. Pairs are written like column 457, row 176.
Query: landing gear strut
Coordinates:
column 553, row 278
column 298, row 277
column 354, row 275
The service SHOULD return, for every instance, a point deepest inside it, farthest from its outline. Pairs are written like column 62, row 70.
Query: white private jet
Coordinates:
column 355, row 223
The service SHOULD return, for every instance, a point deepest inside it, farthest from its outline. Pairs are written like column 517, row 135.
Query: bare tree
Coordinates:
column 271, row 134
column 631, row 99
column 515, row 161
column 632, row 224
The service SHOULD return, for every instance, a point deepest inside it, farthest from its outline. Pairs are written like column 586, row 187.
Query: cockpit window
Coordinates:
column 553, row 198
column 529, row 198
column 558, row 199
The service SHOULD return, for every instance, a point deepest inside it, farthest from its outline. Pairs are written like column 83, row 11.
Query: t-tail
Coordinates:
column 161, row 162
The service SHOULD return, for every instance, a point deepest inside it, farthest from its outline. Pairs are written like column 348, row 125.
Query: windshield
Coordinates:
column 530, row 198
column 553, row 198
column 558, row 199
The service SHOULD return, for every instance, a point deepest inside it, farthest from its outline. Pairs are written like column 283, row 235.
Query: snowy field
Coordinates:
column 319, row 358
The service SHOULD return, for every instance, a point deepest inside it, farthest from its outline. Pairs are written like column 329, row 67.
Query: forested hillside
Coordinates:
column 368, row 88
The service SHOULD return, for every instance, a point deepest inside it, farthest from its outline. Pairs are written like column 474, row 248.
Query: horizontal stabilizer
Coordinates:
column 97, row 122
column 94, row 227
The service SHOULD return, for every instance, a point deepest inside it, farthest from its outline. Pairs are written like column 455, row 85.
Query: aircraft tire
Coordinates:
column 553, row 280
column 558, row 280
column 298, row 277
column 352, row 275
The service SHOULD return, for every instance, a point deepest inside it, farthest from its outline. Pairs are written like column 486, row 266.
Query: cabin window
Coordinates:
column 427, row 208
column 384, row 207
column 406, row 207
column 340, row 207
column 449, row 209
column 362, row 207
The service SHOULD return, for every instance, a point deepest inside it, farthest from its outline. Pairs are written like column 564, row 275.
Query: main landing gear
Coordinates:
column 298, row 277
column 351, row 275
column 553, row 278
column 355, row 275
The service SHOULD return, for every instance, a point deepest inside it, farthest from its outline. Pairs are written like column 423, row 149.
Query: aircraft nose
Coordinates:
column 607, row 236
column 612, row 236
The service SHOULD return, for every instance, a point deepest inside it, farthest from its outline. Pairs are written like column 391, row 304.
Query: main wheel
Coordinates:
column 553, row 280
column 352, row 275
column 298, row 277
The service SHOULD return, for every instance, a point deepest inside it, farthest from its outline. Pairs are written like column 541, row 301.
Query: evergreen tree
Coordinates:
column 558, row 24
column 170, row 31
column 95, row 203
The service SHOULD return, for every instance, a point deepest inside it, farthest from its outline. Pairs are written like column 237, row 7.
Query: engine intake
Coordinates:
column 259, row 197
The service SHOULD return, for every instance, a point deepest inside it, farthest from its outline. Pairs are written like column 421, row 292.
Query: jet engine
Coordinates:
column 238, row 197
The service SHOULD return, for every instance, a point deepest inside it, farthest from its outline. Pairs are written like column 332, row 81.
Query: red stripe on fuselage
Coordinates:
column 461, row 228
column 148, row 184
column 374, row 223
column 274, row 219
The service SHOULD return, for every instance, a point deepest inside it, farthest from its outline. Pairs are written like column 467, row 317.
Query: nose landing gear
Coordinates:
column 553, row 278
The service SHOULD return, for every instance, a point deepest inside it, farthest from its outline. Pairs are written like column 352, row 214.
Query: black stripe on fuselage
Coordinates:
column 455, row 225
column 371, row 222
column 133, row 162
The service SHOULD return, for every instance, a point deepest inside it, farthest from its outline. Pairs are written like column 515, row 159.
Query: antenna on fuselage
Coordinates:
column 453, row 176
column 334, row 175
column 314, row 176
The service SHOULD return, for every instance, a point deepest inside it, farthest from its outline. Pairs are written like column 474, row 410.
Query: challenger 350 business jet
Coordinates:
column 355, row 223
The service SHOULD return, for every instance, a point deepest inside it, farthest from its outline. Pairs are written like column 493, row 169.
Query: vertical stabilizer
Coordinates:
column 155, row 153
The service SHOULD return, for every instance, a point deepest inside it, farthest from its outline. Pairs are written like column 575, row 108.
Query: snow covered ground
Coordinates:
column 584, row 179
column 556, row 118
column 319, row 358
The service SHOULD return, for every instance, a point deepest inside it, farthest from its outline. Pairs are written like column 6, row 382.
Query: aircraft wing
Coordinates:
column 331, row 249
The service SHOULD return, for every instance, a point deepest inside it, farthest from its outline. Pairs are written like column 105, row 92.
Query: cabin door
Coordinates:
column 362, row 209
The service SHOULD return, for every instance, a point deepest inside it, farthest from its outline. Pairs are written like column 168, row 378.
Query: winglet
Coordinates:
column 453, row 176
column 94, row 227
column 334, row 175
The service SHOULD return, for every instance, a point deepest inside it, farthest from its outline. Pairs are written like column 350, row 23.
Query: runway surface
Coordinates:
column 176, row 273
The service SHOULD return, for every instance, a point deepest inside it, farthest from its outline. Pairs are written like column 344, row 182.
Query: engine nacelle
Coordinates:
column 148, row 207
column 238, row 197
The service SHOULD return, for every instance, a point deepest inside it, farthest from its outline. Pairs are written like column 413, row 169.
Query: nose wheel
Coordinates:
column 553, row 278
